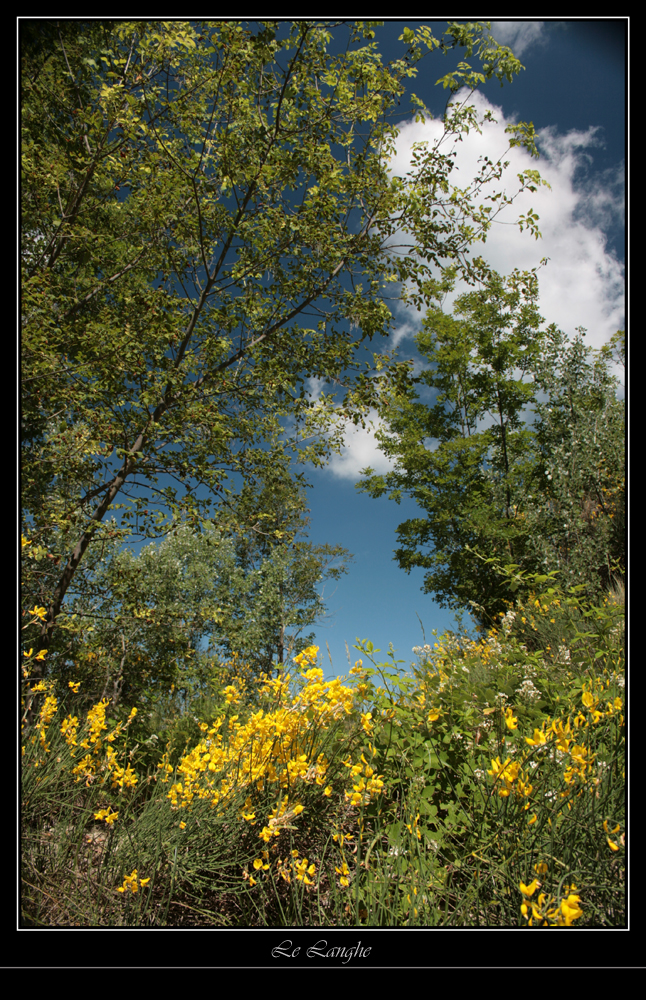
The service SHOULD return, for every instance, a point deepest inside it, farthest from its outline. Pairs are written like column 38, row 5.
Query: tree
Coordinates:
column 155, row 620
column 268, row 584
column 574, row 509
column 208, row 220
column 494, row 469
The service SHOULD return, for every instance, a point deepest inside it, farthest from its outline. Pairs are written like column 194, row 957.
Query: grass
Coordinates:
column 482, row 786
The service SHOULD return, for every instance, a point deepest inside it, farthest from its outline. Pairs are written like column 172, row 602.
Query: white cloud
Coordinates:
column 360, row 452
column 518, row 35
column 407, row 328
column 582, row 283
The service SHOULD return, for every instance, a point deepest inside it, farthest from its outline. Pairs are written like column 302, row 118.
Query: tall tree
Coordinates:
column 517, row 451
column 208, row 220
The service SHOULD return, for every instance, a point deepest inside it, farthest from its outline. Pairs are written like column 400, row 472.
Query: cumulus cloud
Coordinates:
column 582, row 284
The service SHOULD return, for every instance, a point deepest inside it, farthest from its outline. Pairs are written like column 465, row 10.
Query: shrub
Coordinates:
column 482, row 785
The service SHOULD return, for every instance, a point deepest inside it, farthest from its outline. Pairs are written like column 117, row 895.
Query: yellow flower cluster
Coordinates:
column 120, row 777
column 509, row 778
column 47, row 712
column 69, row 730
column 566, row 737
column 39, row 613
column 280, row 819
column 274, row 748
column 545, row 911
column 563, row 734
column 594, row 704
column 366, row 782
column 96, row 722
column 131, row 883
column 510, row 719
column 107, row 815
column 344, row 873
column 94, row 766
column 414, row 827
column 39, row 656
column 307, row 656
column 612, row 844
column 287, row 868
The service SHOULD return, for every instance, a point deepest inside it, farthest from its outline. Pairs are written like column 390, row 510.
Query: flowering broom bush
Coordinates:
column 481, row 786
column 501, row 765
column 294, row 768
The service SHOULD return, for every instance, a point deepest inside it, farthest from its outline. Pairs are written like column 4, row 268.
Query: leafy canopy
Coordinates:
column 512, row 447
column 208, row 221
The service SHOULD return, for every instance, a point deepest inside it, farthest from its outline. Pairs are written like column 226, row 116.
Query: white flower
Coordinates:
column 508, row 621
column 528, row 692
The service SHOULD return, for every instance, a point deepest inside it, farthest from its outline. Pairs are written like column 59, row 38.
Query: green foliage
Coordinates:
column 192, row 195
column 574, row 504
column 500, row 765
column 519, row 454
column 463, row 457
column 269, row 583
column 447, row 794
column 158, row 626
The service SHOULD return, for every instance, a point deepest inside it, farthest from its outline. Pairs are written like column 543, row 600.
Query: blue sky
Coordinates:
column 573, row 89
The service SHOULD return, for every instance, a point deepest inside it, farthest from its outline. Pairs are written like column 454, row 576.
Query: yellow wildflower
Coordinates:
column 507, row 773
column 510, row 720
column 570, row 909
column 131, row 883
column 538, row 739
column 366, row 722
column 343, row 871
column 107, row 815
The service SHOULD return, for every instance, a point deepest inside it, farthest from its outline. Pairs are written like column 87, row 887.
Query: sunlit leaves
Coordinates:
column 208, row 222
column 517, row 452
